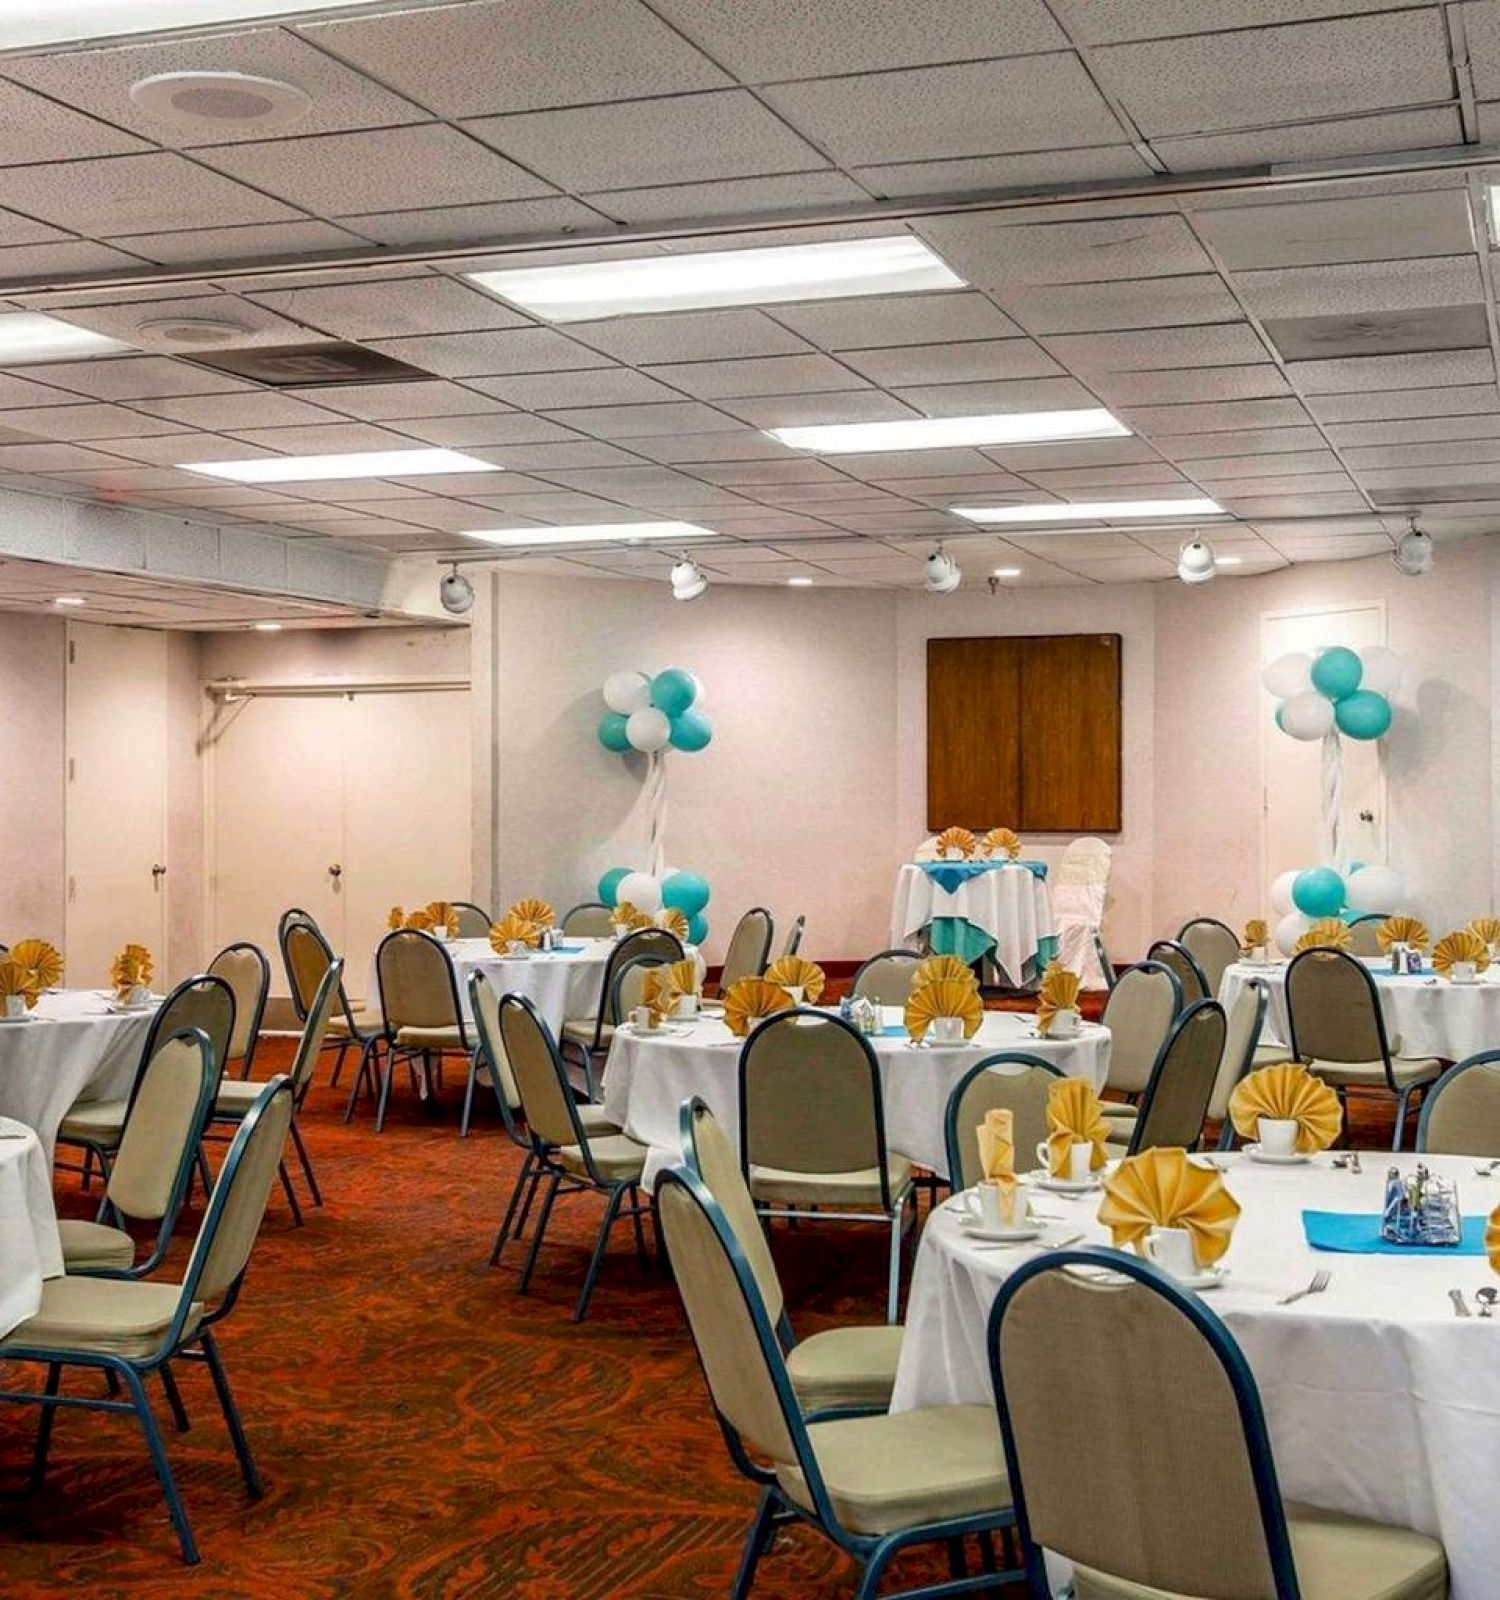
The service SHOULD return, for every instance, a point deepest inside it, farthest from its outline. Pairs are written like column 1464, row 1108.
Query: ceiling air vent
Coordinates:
column 301, row 366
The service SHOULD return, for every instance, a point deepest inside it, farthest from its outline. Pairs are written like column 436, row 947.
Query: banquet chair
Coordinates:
column 886, row 978
column 1182, row 1084
column 838, row 1372
column 237, row 1095
column 473, row 921
column 812, row 1129
column 1244, row 1022
column 307, row 955
column 589, row 920
column 243, row 966
column 586, row 1038
column 872, row 1485
column 1180, row 1496
column 1010, row 1081
column 132, row 1329
column 1461, row 1112
column 749, row 948
column 1336, row 1028
column 1363, row 936
column 566, row 1157
column 1139, row 1014
column 421, row 1016
column 1191, row 979
column 1079, row 891
column 1102, row 957
column 1213, row 945
column 794, row 937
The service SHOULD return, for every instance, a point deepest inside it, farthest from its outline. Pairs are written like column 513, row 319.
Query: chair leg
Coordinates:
column 526, row 1204
column 1403, row 1106
column 289, row 1192
column 385, row 1089
column 541, row 1228
column 869, row 1581
column 205, row 1177
column 163, row 1467
column 44, row 1428
column 306, row 1160
column 898, row 1235
column 174, row 1399
column 232, row 1416
column 640, row 1232
column 338, row 1063
column 762, row 1530
column 463, row 1121
column 522, row 1179
column 601, row 1244
column 362, row 1077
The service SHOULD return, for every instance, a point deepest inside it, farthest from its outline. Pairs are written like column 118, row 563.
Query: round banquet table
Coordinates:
column 72, row 1048
column 29, row 1246
column 648, row 1076
column 1381, row 1401
column 1428, row 1015
column 999, row 909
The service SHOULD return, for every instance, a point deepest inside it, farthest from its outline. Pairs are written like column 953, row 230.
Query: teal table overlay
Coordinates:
column 1358, row 1233
column 956, row 936
column 950, row 875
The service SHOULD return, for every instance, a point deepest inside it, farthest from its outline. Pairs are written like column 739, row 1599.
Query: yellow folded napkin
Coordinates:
column 1287, row 1092
column 1327, row 933
column 751, row 999
column 937, row 968
column 132, row 966
column 673, row 921
column 946, row 997
column 395, row 918
column 1059, row 991
column 1000, row 842
column 626, row 919
column 1464, row 945
column 684, row 975
column 1257, row 935
column 511, row 930
column 42, row 960
column 440, row 913
column 1074, row 1115
column 959, row 839
column 16, row 979
column 792, row 972
column 534, row 910
column 997, row 1143
column 659, row 992
column 1492, row 1238
column 1488, row 929
column 1403, row 930
column 1163, row 1189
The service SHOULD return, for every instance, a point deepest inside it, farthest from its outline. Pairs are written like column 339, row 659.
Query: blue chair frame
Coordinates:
column 1184, row 1018
column 896, row 952
column 1181, row 953
column 1101, row 955
column 1227, row 1131
column 1484, row 1058
column 388, row 1033
column 1017, row 1058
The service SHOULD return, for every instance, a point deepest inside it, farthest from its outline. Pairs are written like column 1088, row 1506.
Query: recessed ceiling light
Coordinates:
column 195, row 330
column 24, row 24
column 1090, row 511
column 220, row 100
column 268, row 627
column 362, row 464
column 28, row 336
column 591, row 533
column 946, row 433
column 800, row 583
column 1007, row 572
column 1228, row 561
column 833, row 270
column 69, row 600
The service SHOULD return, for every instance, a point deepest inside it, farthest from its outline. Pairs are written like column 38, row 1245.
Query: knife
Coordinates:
column 1460, row 1305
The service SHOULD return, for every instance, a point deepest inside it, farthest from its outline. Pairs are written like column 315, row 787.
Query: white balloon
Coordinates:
column 700, row 694
column 1375, row 888
column 1288, row 675
column 640, row 890
column 627, row 691
column 1281, row 893
column 649, row 729
column 1307, row 715
column 1289, row 930
column 1382, row 669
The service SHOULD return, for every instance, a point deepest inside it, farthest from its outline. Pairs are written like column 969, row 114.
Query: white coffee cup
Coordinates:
column 997, row 1207
column 1064, row 1024
column 946, row 1030
column 1172, row 1250
column 15, row 1005
column 686, row 1006
column 1464, row 972
column 796, row 991
column 440, row 932
column 1256, row 955
column 515, row 947
column 139, row 995
column 644, row 1019
column 1080, row 1160
column 1278, row 1135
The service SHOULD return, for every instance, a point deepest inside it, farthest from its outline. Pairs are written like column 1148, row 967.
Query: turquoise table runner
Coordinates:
column 956, row 936
column 1358, row 1233
column 948, row 875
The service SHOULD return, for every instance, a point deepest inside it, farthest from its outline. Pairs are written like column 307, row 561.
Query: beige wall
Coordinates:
column 31, row 778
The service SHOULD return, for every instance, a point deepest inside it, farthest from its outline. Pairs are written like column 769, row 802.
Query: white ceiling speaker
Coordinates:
column 941, row 574
column 1195, row 561
column 1413, row 554
column 688, row 580
column 220, row 100
column 456, row 593
column 198, row 332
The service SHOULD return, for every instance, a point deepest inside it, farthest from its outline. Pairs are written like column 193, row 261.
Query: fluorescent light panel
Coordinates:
column 362, row 464
column 24, row 24
column 948, row 433
column 27, row 336
column 1091, row 511
column 834, row 270
column 593, row 533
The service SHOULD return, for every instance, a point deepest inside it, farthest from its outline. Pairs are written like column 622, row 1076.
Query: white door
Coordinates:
column 116, row 797
column 1292, row 806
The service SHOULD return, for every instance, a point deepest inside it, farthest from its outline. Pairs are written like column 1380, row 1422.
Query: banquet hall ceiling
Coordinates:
column 1258, row 231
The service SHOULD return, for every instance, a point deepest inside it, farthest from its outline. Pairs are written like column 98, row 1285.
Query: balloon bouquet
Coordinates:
column 1331, row 692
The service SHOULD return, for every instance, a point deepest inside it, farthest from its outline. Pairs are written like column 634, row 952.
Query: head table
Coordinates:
column 648, row 1076
column 29, row 1246
column 999, row 910
column 1381, row 1401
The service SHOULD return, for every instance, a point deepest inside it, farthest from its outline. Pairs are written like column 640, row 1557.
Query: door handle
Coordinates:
column 335, row 871
column 158, row 871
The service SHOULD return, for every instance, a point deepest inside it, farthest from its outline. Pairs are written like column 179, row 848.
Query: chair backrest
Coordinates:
column 418, row 988
column 484, row 1005
column 749, row 947
column 590, row 920
column 304, row 957
column 1176, row 1099
column 243, row 966
column 315, row 1029
column 1333, row 1011
column 1213, row 945
column 657, row 944
column 1101, row 955
column 1009, row 1081
column 1241, row 1035
column 1461, row 1111
column 1190, row 976
column 810, row 1097
column 1364, row 937
column 541, row 1081
column 630, row 985
column 473, row 921
column 1138, row 1014
column 1180, row 1494
column 169, row 1108
column 710, row 1157
column 794, row 937
column 204, row 1002
column 886, row 978
column 1085, row 861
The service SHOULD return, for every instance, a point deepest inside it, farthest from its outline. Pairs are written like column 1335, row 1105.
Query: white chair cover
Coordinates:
column 1079, row 889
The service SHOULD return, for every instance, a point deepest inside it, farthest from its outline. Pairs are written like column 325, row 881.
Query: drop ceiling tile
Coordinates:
column 813, row 499
column 491, row 354
column 18, row 392
column 1299, row 504
column 1228, row 416
column 948, row 490
column 213, row 497
column 34, row 128
column 499, row 428
column 1183, row 387
column 917, row 520
column 1367, row 286
column 560, row 507
column 764, row 523
column 452, row 225
column 689, row 202
column 195, row 246
column 693, row 448
column 1002, row 255
column 232, row 412
column 382, row 402
column 689, row 336
column 331, row 438
column 871, row 465
column 757, row 375
column 19, row 262
column 1229, row 492
column 1482, row 35
column 131, row 321
column 1429, row 129
column 642, row 422
column 1459, row 400
column 987, row 174
column 1122, row 304
column 390, row 308
column 1435, row 453
column 1319, row 232
column 897, row 319
column 136, row 194
column 1393, row 372
column 600, row 386
column 931, row 113
column 1350, row 436
column 988, row 399
column 794, row 469
column 1235, row 442
column 48, row 458
column 134, row 378
column 1147, row 476
column 1208, row 345
column 84, row 422
column 1113, row 21
column 544, row 457
column 807, row 410
column 644, row 486
column 967, row 362
column 638, row 143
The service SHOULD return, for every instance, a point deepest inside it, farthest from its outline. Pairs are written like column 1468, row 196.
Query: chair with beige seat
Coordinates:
column 566, row 1157
column 244, row 968
column 1010, row 1081
column 812, row 1129
column 1461, row 1112
column 589, row 920
column 1180, row 962
column 132, row 1329
column 1180, row 1496
column 794, row 937
column 421, row 1019
column 1244, row 1022
column 887, row 977
column 1176, row 1100
column 749, row 948
column 1214, row 945
column 473, row 921
column 1139, row 1014
column 872, row 1485
column 585, row 1039
column 838, row 1372
column 307, row 955
column 1336, row 1028
column 1364, row 936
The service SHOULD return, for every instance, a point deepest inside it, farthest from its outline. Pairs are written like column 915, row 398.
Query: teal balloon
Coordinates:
column 1279, row 723
column 690, row 731
column 1318, row 892
column 1363, row 714
column 609, row 884
column 1336, row 673
column 612, row 732
column 686, row 892
column 697, row 929
column 673, row 691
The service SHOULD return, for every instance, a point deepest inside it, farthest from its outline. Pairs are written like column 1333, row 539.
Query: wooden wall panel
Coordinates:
column 973, row 711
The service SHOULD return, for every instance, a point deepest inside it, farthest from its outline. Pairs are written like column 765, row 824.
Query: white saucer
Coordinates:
column 1018, row 1233
column 1298, row 1158
column 1045, row 1180
column 10, row 1022
column 1209, row 1278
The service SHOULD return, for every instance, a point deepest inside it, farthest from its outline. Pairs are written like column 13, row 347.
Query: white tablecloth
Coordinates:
column 1429, row 1015
column 73, row 1048
column 647, row 1077
column 1381, row 1402
column 1010, row 903
column 29, row 1247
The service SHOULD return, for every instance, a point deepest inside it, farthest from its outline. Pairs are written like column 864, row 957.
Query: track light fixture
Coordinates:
column 1413, row 554
column 1195, row 561
column 942, row 575
column 456, row 592
column 688, row 579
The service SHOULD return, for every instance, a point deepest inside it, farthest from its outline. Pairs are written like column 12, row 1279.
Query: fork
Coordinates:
column 1320, row 1281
